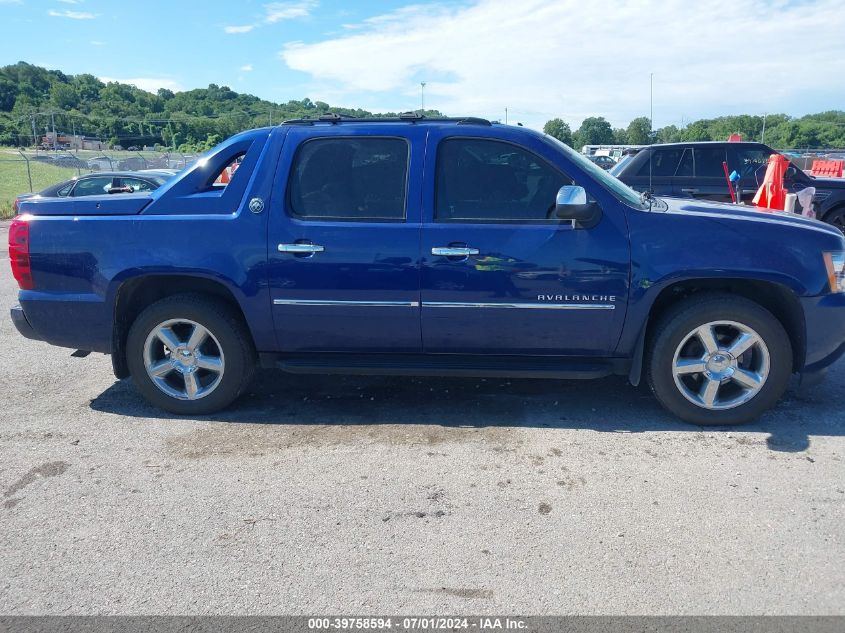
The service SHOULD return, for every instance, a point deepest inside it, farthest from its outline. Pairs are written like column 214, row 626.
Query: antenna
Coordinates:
column 650, row 130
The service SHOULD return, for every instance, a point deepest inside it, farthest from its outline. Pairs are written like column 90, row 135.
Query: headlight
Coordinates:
column 834, row 261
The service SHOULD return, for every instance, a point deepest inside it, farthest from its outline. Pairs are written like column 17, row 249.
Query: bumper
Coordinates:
column 815, row 373
column 22, row 325
column 825, row 331
column 77, row 321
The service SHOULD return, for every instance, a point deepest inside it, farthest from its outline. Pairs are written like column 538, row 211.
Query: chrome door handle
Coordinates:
column 300, row 248
column 453, row 251
column 689, row 190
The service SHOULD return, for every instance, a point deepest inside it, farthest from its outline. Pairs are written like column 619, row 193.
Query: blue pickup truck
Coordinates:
column 422, row 246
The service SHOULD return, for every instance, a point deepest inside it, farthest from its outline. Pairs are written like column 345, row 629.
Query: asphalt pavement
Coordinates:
column 371, row 495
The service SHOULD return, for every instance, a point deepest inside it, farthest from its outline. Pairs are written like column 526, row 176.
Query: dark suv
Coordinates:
column 694, row 170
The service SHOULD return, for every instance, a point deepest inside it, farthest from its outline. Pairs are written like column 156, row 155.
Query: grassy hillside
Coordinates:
column 13, row 179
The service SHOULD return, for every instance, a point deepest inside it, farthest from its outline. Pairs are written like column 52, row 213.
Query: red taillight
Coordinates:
column 19, row 252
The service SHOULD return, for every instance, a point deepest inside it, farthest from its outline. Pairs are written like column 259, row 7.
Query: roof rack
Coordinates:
column 404, row 117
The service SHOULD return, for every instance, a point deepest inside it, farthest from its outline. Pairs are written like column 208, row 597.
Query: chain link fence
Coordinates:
column 23, row 171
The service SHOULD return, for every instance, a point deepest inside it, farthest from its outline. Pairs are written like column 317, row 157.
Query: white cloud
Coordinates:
column 569, row 58
column 97, row 43
column 150, row 84
column 70, row 1
column 278, row 11
column 74, row 15
column 246, row 68
column 246, row 28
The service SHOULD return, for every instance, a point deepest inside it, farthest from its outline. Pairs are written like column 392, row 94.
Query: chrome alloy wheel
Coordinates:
column 721, row 365
column 183, row 359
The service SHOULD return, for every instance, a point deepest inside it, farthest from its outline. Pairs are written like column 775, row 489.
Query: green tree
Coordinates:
column 696, row 131
column 594, row 131
column 639, row 131
column 87, row 87
column 64, row 96
column 668, row 134
column 559, row 129
column 8, row 94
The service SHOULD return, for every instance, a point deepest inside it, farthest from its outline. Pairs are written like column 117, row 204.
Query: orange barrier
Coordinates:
column 772, row 194
column 829, row 168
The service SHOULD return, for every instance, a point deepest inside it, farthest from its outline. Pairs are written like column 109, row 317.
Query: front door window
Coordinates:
column 480, row 180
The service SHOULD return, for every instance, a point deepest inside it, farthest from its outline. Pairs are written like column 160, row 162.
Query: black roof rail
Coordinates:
column 474, row 120
column 404, row 117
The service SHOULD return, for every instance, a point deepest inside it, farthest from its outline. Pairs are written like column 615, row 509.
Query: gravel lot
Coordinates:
column 395, row 495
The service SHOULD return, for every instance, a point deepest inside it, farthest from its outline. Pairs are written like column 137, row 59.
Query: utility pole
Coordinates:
column 506, row 116
column 763, row 136
column 422, row 97
column 34, row 136
column 53, row 122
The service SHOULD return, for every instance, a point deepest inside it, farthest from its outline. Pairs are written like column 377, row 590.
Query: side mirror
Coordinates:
column 790, row 172
column 572, row 204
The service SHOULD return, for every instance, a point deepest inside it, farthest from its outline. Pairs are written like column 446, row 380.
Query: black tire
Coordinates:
column 836, row 218
column 228, row 334
column 680, row 321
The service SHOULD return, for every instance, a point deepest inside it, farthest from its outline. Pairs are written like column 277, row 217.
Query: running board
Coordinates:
column 447, row 365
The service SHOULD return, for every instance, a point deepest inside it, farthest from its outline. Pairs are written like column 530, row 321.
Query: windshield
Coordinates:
column 612, row 184
column 617, row 168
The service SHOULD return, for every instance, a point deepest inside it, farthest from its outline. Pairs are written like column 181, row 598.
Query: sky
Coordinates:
column 538, row 58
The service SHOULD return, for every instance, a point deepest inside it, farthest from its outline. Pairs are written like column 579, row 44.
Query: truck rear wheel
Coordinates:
column 190, row 354
column 719, row 360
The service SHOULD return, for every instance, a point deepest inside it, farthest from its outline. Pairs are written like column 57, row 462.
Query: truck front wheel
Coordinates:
column 718, row 360
column 190, row 354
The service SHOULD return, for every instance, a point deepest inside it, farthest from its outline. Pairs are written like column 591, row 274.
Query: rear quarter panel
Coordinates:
column 80, row 262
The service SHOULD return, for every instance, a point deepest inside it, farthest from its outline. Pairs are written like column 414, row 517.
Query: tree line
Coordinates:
column 824, row 130
column 34, row 99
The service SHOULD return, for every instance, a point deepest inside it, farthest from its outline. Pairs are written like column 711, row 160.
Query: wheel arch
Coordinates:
column 839, row 206
column 136, row 293
column 774, row 297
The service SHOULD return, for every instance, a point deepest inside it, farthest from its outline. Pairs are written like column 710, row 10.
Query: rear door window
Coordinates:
column 664, row 162
column 708, row 162
column 686, row 168
column 92, row 186
column 350, row 178
column 136, row 184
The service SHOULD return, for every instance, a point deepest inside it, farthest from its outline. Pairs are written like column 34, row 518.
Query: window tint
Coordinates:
column 748, row 162
column 708, row 162
column 350, row 178
column 483, row 180
column 664, row 162
column 92, row 186
column 686, row 166
column 64, row 191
